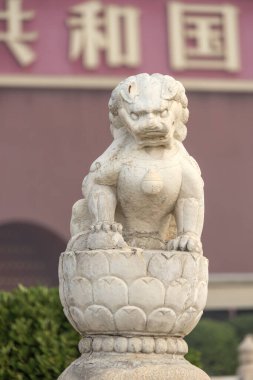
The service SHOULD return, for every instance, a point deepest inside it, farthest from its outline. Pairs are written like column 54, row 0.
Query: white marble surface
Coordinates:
column 133, row 291
column 133, row 280
column 145, row 190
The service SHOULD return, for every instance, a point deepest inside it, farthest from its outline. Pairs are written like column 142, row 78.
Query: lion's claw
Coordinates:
column 106, row 226
column 185, row 242
column 105, row 235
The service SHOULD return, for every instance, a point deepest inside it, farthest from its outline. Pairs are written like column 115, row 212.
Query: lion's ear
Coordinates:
column 129, row 90
column 180, row 131
column 169, row 87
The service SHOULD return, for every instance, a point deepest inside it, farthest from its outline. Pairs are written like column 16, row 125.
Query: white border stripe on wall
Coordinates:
column 107, row 83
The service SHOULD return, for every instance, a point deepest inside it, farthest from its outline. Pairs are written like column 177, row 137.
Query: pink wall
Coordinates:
column 50, row 138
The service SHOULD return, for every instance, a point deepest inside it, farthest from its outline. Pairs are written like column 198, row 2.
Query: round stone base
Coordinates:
column 113, row 366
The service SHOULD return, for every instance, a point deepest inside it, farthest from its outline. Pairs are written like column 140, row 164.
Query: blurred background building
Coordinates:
column 58, row 65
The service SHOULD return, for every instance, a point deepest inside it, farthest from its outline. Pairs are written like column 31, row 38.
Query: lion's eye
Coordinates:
column 134, row 116
column 164, row 113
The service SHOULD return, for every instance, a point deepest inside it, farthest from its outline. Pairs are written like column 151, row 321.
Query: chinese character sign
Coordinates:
column 14, row 36
column 123, row 37
column 112, row 29
column 203, row 36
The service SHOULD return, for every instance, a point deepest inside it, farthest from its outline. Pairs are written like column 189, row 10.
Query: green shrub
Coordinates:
column 37, row 342
column 217, row 342
column 243, row 325
column 194, row 357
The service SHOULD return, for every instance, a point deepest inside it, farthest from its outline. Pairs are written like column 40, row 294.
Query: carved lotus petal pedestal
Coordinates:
column 133, row 308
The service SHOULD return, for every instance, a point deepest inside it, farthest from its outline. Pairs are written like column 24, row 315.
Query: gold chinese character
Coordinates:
column 14, row 37
column 203, row 36
column 112, row 29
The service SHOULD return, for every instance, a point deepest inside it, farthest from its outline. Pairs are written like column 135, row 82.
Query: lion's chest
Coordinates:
column 149, row 186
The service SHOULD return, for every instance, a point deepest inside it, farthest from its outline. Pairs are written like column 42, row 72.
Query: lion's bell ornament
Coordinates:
column 152, row 182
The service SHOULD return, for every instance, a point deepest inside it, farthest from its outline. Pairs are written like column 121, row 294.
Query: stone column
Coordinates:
column 133, row 308
column 245, row 371
column 133, row 280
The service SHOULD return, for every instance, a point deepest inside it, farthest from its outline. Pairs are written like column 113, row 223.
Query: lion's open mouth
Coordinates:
column 153, row 139
column 153, row 134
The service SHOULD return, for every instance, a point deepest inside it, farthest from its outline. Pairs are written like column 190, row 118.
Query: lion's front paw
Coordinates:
column 106, row 236
column 107, row 227
column 185, row 242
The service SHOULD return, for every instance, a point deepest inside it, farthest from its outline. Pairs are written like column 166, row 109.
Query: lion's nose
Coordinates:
column 151, row 119
column 150, row 122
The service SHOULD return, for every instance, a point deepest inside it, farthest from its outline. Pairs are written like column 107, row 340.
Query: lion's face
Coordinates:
column 150, row 119
column 153, row 109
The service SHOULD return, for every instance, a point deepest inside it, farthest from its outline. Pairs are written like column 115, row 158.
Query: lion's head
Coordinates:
column 152, row 108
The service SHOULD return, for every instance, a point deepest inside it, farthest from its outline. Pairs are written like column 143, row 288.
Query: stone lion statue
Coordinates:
column 145, row 190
